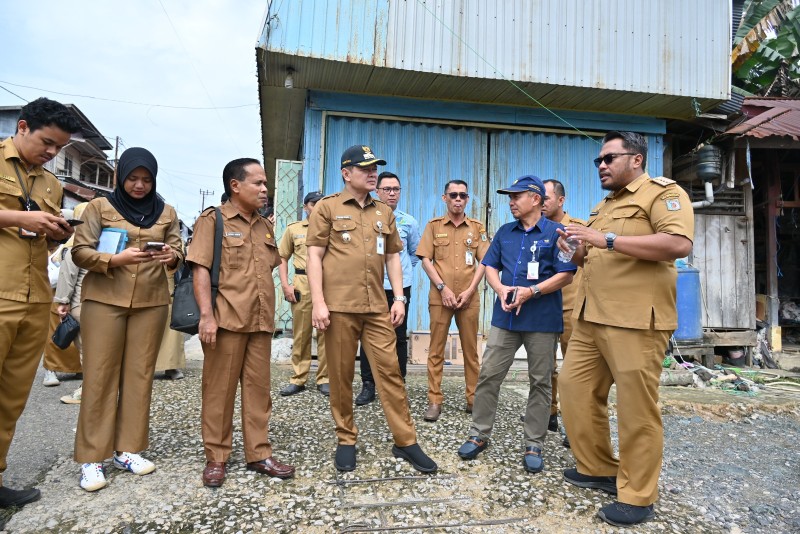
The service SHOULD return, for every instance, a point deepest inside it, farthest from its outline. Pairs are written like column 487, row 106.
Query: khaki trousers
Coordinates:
column 302, row 332
column 599, row 356
column 56, row 359
column 23, row 327
column 467, row 323
column 378, row 339
column 171, row 353
column 497, row 360
column 238, row 357
column 564, row 341
column 120, row 346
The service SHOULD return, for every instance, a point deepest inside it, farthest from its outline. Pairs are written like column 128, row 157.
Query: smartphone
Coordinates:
column 297, row 296
column 511, row 297
column 154, row 245
column 74, row 222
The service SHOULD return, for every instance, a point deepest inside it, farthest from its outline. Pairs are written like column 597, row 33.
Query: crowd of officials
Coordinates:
column 604, row 289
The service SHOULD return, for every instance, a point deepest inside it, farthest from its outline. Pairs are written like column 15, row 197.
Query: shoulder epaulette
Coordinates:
column 436, row 219
column 332, row 195
column 662, row 181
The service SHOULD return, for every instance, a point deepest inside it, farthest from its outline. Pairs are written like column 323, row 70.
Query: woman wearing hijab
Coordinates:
column 123, row 313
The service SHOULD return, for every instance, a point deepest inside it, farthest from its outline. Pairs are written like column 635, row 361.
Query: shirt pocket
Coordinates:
column 51, row 207
column 8, row 190
column 232, row 252
column 441, row 248
column 630, row 220
column 342, row 232
column 160, row 228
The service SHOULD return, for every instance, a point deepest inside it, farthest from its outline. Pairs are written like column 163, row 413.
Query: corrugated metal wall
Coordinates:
column 673, row 47
column 426, row 156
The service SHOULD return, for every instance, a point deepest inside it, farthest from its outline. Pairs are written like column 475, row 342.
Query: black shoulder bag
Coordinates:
column 185, row 311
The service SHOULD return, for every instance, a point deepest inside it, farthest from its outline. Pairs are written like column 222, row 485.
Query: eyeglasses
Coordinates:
column 608, row 158
column 388, row 190
column 462, row 196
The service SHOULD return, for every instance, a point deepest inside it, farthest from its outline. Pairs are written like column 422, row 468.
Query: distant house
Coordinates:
column 82, row 166
column 480, row 92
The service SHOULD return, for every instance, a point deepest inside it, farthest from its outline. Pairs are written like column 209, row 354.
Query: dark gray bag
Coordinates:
column 185, row 312
column 66, row 331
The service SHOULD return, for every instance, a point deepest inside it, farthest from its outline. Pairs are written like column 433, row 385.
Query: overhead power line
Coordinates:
column 75, row 95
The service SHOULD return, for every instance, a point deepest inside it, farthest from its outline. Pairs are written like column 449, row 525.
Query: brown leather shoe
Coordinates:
column 433, row 412
column 214, row 474
column 468, row 408
column 272, row 467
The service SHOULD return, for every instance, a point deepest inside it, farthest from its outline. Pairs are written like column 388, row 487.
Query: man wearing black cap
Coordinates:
column 351, row 239
column 523, row 268
column 293, row 243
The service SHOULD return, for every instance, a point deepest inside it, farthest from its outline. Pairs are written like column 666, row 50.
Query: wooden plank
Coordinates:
column 714, row 253
column 727, row 270
column 730, row 338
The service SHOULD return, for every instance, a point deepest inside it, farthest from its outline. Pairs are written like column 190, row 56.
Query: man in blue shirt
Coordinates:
column 407, row 226
column 523, row 268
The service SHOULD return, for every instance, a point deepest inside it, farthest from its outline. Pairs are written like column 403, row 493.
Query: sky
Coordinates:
column 194, row 53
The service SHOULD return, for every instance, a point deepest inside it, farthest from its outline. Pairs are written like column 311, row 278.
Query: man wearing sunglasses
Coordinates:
column 624, row 315
column 451, row 248
column 407, row 226
column 30, row 219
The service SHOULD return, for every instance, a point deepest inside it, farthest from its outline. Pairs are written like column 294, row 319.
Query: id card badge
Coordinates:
column 469, row 258
column 379, row 240
column 533, row 270
column 27, row 234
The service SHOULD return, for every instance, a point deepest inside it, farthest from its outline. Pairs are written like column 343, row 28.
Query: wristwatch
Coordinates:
column 536, row 292
column 402, row 299
column 440, row 286
column 610, row 237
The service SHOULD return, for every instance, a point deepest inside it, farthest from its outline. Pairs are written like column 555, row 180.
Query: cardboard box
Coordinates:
column 420, row 342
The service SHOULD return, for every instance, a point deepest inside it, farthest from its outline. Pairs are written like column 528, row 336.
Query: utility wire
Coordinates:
column 13, row 93
column 503, row 76
column 203, row 108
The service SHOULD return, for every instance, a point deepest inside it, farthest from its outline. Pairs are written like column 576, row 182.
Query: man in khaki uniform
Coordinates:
column 236, row 329
column 624, row 315
column 553, row 209
column 351, row 238
column 293, row 243
column 30, row 220
column 451, row 248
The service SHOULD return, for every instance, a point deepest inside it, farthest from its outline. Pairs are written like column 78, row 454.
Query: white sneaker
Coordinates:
column 92, row 477
column 74, row 397
column 133, row 463
column 50, row 379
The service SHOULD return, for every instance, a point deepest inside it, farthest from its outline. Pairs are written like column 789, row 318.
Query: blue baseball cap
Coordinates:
column 524, row 183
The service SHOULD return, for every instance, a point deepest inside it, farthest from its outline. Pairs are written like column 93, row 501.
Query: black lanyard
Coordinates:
column 24, row 189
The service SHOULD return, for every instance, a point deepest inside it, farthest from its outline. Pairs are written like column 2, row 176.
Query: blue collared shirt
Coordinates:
column 510, row 253
column 408, row 228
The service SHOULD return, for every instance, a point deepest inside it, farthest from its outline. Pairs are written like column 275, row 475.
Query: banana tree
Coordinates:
column 765, row 55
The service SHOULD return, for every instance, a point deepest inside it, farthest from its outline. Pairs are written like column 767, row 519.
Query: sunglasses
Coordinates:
column 388, row 190
column 608, row 158
column 462, row 196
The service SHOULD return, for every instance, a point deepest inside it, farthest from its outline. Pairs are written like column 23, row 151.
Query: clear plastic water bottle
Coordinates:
column 572, row 243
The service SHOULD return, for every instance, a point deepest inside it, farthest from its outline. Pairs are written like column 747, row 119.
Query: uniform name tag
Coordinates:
column 441, row 235
column 9, row 178
column 299, row 236
column 340, row 217
column 233, row 234
column 379, row 241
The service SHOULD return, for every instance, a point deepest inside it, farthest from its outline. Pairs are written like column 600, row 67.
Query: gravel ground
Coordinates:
column 730, row 465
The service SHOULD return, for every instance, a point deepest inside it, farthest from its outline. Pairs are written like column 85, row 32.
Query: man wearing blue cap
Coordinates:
column 523, row 268
column 293, row 243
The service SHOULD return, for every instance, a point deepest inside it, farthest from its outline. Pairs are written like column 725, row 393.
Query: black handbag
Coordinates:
column 185, row 311
column 66, row 331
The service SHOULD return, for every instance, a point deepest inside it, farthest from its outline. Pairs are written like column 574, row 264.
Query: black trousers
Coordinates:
column 402, row 340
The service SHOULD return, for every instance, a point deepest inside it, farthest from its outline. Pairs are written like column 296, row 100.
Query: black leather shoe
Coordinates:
column 367, row 394
column 552, row 424
column 325, row 389
column 607, row 484
column 292, row 389
column 17, row 498
column 566, row 442
column 345, row 457
column 620, row 514
column 416, row 457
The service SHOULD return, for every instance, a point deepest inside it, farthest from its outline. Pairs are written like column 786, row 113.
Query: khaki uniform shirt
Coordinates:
column 352, row 268
column 136, row 286
column 620, row 290
column 293, row 242
column 447, row 246
column 569, row 291
column 23, row 262
column 246, row 296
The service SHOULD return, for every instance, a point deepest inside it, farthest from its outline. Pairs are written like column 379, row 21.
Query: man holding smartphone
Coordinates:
column 293, row 243
column 30, row 219
column 523, row 268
